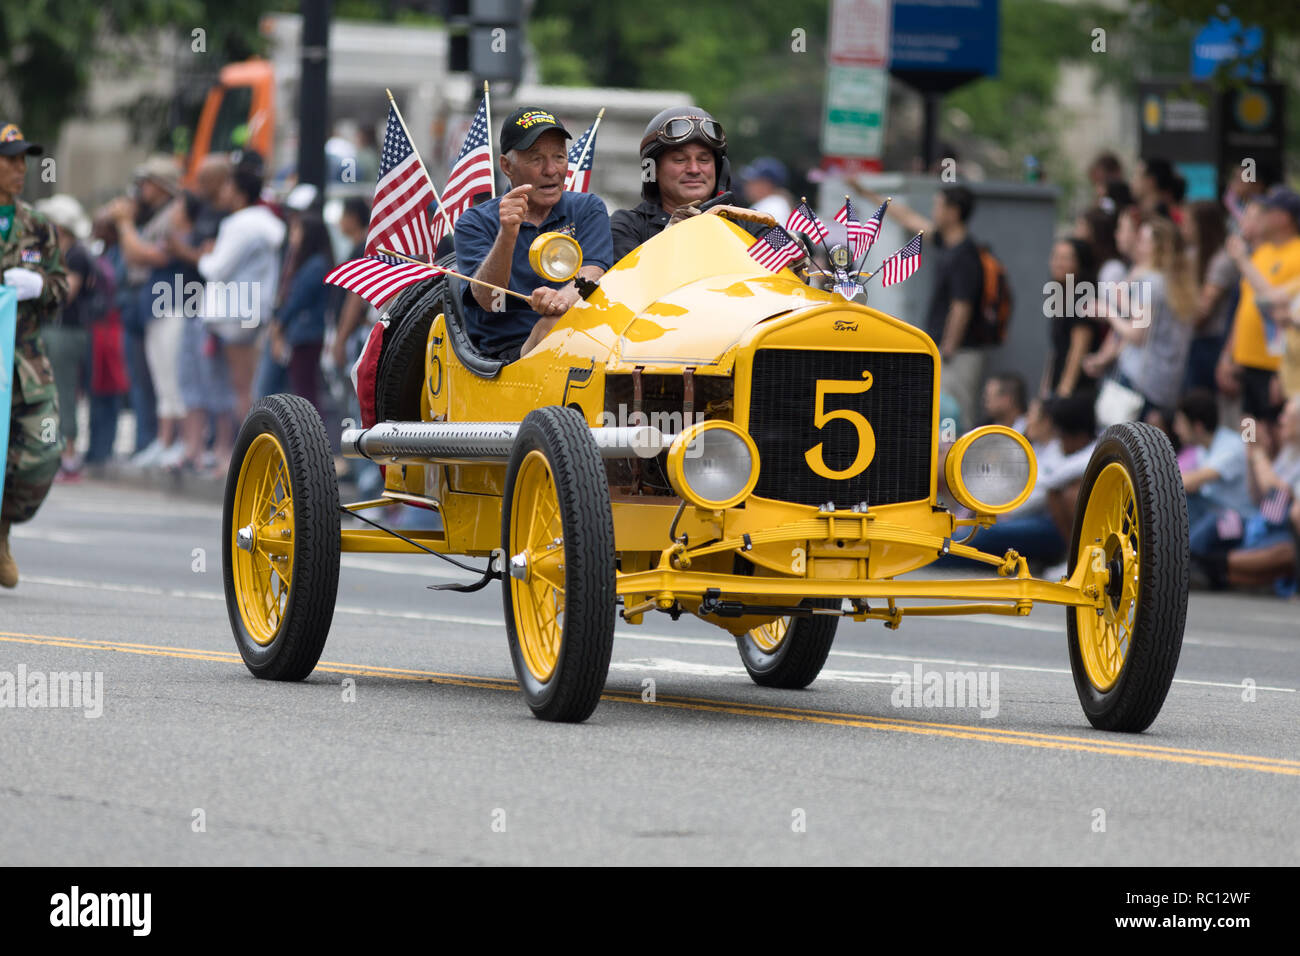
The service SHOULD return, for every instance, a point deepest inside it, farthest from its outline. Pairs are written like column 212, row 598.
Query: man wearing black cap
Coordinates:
column 492, row 238
column 31, row 267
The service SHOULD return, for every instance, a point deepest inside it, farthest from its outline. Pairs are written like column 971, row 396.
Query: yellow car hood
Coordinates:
column 692, row 292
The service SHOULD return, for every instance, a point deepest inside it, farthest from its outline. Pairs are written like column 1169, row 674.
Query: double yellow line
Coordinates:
column 1115, row 746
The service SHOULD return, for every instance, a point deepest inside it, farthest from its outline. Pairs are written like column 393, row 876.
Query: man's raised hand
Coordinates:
column 513, row 208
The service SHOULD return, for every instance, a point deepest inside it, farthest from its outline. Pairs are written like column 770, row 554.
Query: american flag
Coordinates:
column 1228, row 525
column 398, row 220
column 471, row 175
column 775, row 249
column 848, row 218
column 803, row 219
column 902, row 263
column 871, row 229
column 378, row 278
column 1275, row 506
column 579, row 176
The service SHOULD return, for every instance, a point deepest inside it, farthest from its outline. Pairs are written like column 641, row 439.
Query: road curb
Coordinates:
column 179, row 483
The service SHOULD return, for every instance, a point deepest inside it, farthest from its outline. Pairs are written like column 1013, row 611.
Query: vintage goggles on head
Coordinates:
column 683, row 129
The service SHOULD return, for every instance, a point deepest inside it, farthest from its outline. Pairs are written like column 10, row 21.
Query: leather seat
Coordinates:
column 453, row 306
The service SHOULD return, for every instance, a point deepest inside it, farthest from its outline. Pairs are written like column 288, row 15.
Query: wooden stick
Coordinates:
column 453, row 272
column 586, row 146
column 487, row 115
column 436, row 197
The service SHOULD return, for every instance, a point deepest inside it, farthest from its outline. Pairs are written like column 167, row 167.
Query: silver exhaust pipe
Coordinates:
column 419, row 443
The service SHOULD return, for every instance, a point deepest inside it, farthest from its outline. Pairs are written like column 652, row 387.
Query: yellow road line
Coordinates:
column 1122, row 747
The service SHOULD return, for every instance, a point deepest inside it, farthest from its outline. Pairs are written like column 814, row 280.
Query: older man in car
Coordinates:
column 492, row 239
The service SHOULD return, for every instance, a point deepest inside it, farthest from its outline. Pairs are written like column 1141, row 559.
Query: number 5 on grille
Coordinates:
column 821, row 417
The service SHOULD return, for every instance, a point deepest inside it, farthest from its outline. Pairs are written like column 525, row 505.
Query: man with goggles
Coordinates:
column 683, row 164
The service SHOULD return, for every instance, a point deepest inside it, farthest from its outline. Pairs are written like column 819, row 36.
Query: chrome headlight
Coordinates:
column 991, row 470
column 713, row 465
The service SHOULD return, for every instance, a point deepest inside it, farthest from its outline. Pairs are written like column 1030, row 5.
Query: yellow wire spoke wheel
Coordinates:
column 536, row 538
column 281, row 539
column 557, row 528
column 1110, row 520
column 264, row 557
column 768, row 637
column 790, row 652
column 1132, row 506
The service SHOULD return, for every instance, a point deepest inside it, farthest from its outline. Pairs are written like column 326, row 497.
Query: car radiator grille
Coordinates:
column 897, row 406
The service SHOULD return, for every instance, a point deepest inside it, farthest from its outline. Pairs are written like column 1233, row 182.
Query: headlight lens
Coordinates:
column 713, row 465
column 555, row 256
column 991, row 470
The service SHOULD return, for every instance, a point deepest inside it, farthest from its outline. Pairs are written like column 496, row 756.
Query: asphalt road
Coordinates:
column 436, row 759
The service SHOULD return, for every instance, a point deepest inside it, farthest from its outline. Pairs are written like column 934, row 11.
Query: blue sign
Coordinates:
column 8, row 329
column 951, row 36
column 1221, row 40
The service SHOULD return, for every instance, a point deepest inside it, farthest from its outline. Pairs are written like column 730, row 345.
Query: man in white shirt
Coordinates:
column 241, row 271
column 1216, row 481
column 764, row 182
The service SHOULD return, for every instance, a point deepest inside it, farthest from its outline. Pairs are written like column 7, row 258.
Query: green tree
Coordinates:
column 48, row 49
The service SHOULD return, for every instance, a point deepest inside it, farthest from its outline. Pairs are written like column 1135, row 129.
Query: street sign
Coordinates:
column 1178, row 121
column 854, row 122
column 1221, row 40
column 955, row 38
column 859, row 33
column 8, row 330
column 1252, row 124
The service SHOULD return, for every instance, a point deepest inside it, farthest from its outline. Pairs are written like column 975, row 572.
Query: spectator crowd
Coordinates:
column 187, row 303
column 1184, row 315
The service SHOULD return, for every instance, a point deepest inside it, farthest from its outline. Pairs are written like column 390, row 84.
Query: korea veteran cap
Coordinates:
column 524, row 125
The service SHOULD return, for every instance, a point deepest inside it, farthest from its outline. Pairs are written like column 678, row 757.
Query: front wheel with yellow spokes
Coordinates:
column 281, row 538
column 559, row 590
column 790, row 652
column 1131, row 524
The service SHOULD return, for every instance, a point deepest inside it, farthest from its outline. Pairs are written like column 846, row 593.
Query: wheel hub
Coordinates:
column 245, row 538
column 519, row 566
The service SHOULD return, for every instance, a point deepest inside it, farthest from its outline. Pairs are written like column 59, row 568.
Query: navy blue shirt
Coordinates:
column 581, row 215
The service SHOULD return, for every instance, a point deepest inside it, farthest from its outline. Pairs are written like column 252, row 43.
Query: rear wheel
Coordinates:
column 281, row 539
column 1132, row 504
column 559, row 590
column 791, row 651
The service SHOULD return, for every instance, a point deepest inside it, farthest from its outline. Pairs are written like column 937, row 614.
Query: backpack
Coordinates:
column 101, row 286
column 996, row 300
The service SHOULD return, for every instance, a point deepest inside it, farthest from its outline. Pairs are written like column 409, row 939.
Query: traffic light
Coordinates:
column 487, row 38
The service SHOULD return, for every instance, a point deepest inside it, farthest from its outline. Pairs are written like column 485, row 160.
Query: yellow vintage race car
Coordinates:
column 698, row 436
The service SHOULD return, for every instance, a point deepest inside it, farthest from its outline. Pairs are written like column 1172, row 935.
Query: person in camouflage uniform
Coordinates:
column 31, row 265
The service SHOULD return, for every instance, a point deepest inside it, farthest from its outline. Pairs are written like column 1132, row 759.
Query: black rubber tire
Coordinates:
column 799, row 658
column 400, row 375
column 1134, row 701
column 587, row 640
column 309, row 609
